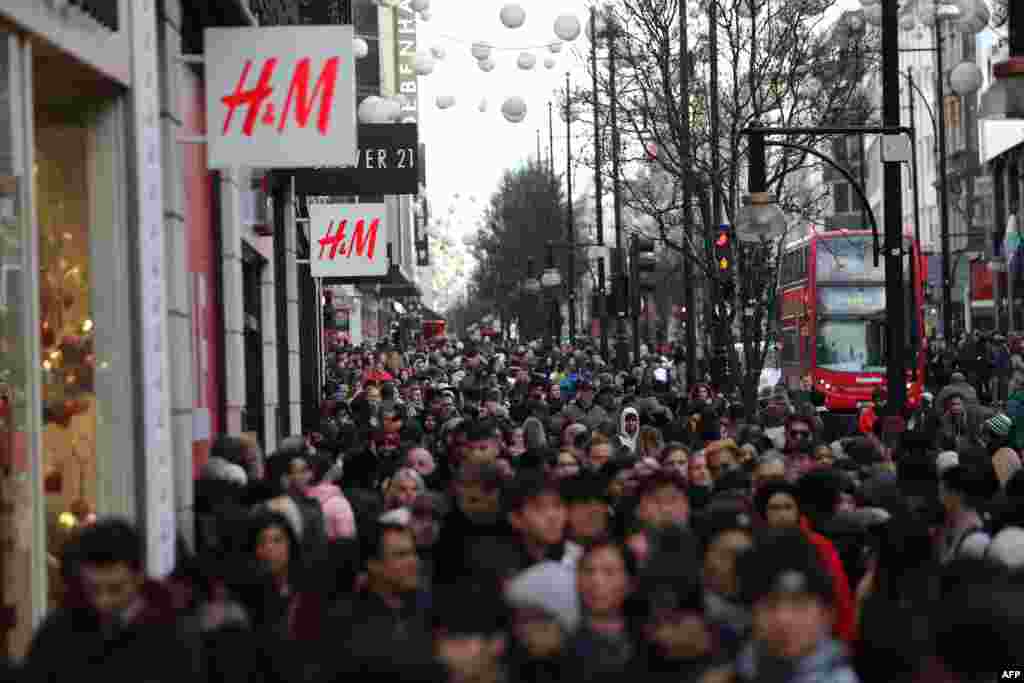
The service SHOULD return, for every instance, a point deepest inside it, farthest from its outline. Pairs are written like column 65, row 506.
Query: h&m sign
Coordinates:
column 280, row 97
column 348, row 240
column 388, row 163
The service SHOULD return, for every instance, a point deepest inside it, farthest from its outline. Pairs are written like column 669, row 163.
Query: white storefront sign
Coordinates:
column 280, row 97
column 348, row 240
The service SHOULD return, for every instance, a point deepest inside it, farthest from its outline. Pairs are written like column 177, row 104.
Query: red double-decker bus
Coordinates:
column 832, row 322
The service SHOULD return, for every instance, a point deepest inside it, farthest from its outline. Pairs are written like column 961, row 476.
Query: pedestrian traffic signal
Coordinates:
column 645, row 262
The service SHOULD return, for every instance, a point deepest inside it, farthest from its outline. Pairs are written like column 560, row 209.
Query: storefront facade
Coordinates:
column 69, row 376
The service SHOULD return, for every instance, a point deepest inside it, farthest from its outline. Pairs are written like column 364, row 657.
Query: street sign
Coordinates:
column 348, row 240
column 389, row 162
column 280, row 97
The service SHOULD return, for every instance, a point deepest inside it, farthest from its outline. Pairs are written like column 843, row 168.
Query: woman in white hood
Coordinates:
column 629, row 429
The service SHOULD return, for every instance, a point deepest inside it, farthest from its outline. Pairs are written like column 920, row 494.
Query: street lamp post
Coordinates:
column 551, row 281
column 570, row 227
column 621, row 342
column 598, row 184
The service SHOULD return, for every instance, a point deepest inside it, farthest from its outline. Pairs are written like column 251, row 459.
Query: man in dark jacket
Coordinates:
column 116, row 625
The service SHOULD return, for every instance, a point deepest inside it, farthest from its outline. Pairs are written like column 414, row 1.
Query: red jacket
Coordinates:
column 845, row 628
column 866, row 421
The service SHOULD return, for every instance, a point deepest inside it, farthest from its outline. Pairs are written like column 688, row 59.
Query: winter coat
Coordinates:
column 339, row 518
column 72, row 644
column 593, row 415
column 827, row 664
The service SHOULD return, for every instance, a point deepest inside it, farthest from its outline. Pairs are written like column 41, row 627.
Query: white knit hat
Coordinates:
column 547, row 586
column 947, row 459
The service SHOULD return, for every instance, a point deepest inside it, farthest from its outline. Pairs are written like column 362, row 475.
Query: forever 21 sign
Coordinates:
column 388, row 163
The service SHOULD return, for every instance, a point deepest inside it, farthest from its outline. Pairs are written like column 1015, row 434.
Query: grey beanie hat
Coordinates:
column 548, row 586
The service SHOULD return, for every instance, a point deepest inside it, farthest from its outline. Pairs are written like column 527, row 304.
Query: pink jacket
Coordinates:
column 339, row 518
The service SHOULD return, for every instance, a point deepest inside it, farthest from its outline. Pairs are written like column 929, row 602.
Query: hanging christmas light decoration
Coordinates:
column 445, row 101
column 486, row 65
column 514, row 109
column 481, row 51
column 420, row 5
column 360, row 48
column 526, row 61
column 438, row 53
column 567, row 27
column 483, row 105
column 555, row 47
column 550, row 63
column 513, row 15
column 425, row 15
column 423, row 64
column 375, row 109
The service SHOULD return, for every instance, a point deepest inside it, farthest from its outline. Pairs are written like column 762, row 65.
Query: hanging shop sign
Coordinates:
column 408, row 81
column 280, row 97
column 348, row 240
column 389, row 162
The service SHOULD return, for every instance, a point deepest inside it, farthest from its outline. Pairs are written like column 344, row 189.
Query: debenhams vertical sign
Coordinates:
column 407, row 84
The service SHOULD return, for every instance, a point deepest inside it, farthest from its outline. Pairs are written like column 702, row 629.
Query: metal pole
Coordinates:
column 598, row 184
column 689, row 296
column 570, row 221
column 896, row 304
column 551, row 139
column 716, row 156
column 913, row 166
column 540, row 159
column 634, row 278
column 553, row 307
column 621, row 346
column 947, row 282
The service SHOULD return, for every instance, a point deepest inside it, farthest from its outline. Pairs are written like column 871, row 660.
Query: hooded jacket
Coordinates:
column 846, row 616
column 339, row 518
column 628, row 442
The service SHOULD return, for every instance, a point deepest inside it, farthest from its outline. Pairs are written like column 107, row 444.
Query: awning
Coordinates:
column 394, row 285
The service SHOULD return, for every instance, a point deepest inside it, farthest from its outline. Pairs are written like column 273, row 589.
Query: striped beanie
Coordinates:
column 999, row 424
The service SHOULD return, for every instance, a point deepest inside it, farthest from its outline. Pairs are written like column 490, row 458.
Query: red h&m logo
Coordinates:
column 260, row 108
column 334, row 245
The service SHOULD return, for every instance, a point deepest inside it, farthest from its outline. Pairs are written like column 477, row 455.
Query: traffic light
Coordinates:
column 723, row 249
column 646, row 261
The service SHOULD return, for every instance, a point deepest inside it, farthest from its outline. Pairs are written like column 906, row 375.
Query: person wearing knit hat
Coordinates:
column 945, row 460
column 792, row 606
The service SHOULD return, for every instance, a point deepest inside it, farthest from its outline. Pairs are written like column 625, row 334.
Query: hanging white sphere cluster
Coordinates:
column 360, row 48
column 419, row 5
column 483, row 105
column 438, row 53
column 513, row 15
column 966, row 78
column 526, row 61
column 445, row 101
column 486, row 65
column 514, row 109
column 549, row 63
column 567, row 27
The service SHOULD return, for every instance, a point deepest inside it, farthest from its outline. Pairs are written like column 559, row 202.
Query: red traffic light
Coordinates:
column 723, row 240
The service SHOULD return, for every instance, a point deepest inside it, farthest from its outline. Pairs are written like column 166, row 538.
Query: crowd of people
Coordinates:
column 482, row 513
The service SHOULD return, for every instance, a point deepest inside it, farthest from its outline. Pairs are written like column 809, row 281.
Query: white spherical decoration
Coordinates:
column 425, row 15
column 486, row 65
column 526, row 61
column 423, row 64
column 360, row 48
column 481, row 51
column 567, row 27
column 445, row 101
column 419, row 5
column 550, row 63
column 966, row 78
column 438, row 53
column 513, row 15
column 375, row 109
column 483, row 105
column 514, row 109
column 393, row 108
